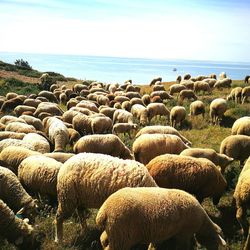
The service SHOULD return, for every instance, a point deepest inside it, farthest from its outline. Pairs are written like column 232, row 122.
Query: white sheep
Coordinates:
column 122, row 116
column 157, row 109
column 148, row 146
column 124, row 128
column 101, row 125
column 202, row 86
column 20, row 127
column 132, row 216
column 197, row 108
column 237, row 147
column 176, row 88
column 245, row 94
column 221, row 160
column 235, row 95
column 222, row 75
column 14, row 142
column 158, row 129
column 57, row 132
column 38, row 174
column 177, row 115
column 140, row 112
column 11, row 135
column 224, row 83
column 14, row 195
column 241, row 126
column 86, row 180
column 217, row 109
column 187, row 94
column 17, row 231
column 35, row 122
column 105, row 144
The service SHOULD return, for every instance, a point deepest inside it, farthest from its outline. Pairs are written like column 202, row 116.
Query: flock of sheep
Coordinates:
column 145, row 194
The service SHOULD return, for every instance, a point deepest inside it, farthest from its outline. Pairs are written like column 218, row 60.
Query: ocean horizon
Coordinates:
column 119, row 69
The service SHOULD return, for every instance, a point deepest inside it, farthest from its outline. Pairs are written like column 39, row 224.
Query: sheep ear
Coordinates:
column 19, row 241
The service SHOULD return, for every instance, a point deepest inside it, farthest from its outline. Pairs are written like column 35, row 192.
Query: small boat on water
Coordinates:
column 174, row 69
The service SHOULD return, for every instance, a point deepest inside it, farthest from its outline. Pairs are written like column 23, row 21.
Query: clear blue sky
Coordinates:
column 190, row 29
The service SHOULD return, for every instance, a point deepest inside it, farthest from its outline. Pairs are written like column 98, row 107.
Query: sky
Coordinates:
column 217, row 30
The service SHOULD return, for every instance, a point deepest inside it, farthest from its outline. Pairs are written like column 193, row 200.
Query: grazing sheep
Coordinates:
column 197, row 108
column 162, row 94
column 89, row 105
column 10, row 104
column 101, row 125
column 197, row 176
column 86, row 180
column 14, row 142
column 47, row 107
column 59, row 156
column 176, row 88
column 237, row 147
column 241, row 126
column 241, row 196
column 221, row 160
column 78, row 87
column 133, row 216
column 120, row 99
column 132, row 95
column 177, row 115
column 140, row 112
column 82, row 124
column 210, row 81
column 20, row 109
column 217, row 109
column 187, row 94
column 245, row 94
column 63, row 98
column 2, row 126
column 108, row 144
column 35, row 122
column 159, row 88
column 157, row 109
column 156, row 99
column 235, row 95
column 146, row 99
column 57, row 132
column 178, row 79
column 108, row 111
column 74, row 136
column 186, row 76
column 14, row 195
column 9, row 118
column 148, row 146
column 38, row 174
column 158, row 129
column 222, row 75
column 12, row 156
column 155, row 80
column 189, row 84
column 136, row 100
column 123, row 128
column 127, row 105
column 20, row 127
column 48, row 95
column 11, row 95
column 246, row 80
column 38, row 142
column 11, row 135
column 224, row 83
column 17, row 231
column 202, row 86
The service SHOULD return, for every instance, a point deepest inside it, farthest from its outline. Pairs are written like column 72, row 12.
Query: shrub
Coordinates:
column 23, row 64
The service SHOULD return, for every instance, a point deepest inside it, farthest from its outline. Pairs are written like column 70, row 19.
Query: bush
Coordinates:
column 23, row 64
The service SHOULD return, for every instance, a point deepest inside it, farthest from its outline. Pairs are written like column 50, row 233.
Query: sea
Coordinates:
column 120, row 69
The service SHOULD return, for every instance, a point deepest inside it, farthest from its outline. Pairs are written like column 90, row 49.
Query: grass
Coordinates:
column 202, row 134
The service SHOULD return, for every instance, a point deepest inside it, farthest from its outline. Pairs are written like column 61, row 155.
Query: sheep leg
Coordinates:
column 82, row 217
column 58, row 228
column 247, row 243
column 241, row 216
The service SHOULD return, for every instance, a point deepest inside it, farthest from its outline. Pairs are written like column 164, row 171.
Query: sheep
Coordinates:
column 127, row 105
column 10, row 104
column 133, row 216
column 157, row 109
column 82, row 124
column 74, row 136
column 12, row 156
column 237, row 147
column 59, row 156
column 13, row 194
column 63, row 98
column 122, row 116
column 241, row 126
column 224, row 83
column 187, row 94
column 158, row 129
column 176, row 88
column 48, row 95
column 96, row 174
column 197, row 108
column 89, row 105
column 120, row 99
column 177, row 115
column 217, row 109
column 222, row 75
column 146, row 99
column 246, row 80
column 148, row 146
column 136, row 100
column 156, row 79
column 11, row 95
column 78, row 87
column 132, row 95
column 20, row 127
column 105, row 144
column 101, row 125
column 9, row 118
column 140, row 112
column 38, row 174
column 57, row 132
column 17, row 231
column 245, row 94
column 158, row 88
column 189, row 84
column 197, row 176
column 108, row 111
column 202, row 86
column 156, row 99
column 102, row 100
column 210, row 81
column 38, row 142
column 124, row 128
column 14, row 142
column 23, row 108
column 163, row 95
column 221, row 160
column 51, row 108
column 11, row 135
column 241, row 197
column 235, row 95
column 35, row 122
column 187, row 76
column 2, row 126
